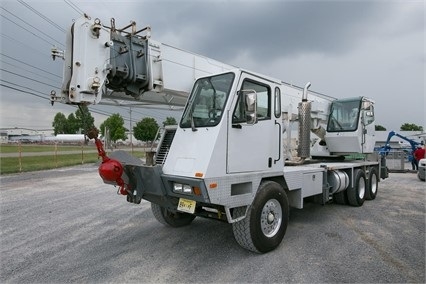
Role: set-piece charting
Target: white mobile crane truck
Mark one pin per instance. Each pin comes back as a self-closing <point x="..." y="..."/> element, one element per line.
<point x="232" y="157"/>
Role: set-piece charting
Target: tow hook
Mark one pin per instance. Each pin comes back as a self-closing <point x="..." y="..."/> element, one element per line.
<point x="110" y="170"/>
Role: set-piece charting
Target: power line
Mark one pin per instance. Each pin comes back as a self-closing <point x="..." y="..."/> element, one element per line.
<point x="45" y="98"/>
<point x="32" y="66"/>
<point x="42" y="16"/>
<point x="72" y="5"/>
<point x="14" y="84"/>
<point x="23" y="44"/>
<point x="32" y="26"/>
<point x="22" y="91"/>
<point x="28" y="78"/>
<point x="27" y="30"/>
<point x="29" y="71"/>
<point x="149" y="114"/>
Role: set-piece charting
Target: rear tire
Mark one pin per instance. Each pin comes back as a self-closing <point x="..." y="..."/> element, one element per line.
<point x="356" y="193"/>
<point x="265" y="224"/>
<point x="373" y="185"/>
<point x="166" y="217"/>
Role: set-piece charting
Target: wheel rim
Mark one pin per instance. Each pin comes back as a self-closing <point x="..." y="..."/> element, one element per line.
<point x="271" y="218"/>
<point x="373" y="182"/>
<point x="361" y="188"/>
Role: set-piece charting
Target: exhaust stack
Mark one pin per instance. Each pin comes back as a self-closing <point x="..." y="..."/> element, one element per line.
<point x="304" y="148"/>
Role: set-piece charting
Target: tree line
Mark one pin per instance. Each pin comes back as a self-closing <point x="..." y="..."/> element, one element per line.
<point x="79" y="122"/>
<point x="404" y="127"/>
<point x="144" y="130"/>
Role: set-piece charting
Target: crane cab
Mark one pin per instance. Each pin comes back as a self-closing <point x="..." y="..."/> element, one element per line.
<point x="351" y="127"/>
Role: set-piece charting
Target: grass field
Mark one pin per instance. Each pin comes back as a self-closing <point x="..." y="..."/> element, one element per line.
<point x="26" y="164"/>
<point x="62" y="157"/>
<point x="15" y="148"/>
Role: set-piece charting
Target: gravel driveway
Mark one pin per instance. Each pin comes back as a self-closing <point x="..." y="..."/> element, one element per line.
<point x="65" y="225"/>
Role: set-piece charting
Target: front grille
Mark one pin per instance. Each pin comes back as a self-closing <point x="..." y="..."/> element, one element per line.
<point x="164" y="147"/>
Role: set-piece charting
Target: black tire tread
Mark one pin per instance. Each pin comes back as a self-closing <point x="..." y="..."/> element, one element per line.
<point x="174" y="220"/>
<point x="352" y="191"/>
<point x="369" y="195"/>
<point x="246" y="231"/>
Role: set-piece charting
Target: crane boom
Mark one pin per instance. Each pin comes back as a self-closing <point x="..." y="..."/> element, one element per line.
<point x="111" y="66"/>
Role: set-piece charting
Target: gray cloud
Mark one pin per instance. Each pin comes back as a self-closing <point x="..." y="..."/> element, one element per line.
<point x="346" y="48"/>
<point x="276" y="28"/>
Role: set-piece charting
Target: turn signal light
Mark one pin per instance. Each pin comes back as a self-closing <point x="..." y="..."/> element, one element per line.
<point x="197" y="190"/>
<point x="213" y="185"/>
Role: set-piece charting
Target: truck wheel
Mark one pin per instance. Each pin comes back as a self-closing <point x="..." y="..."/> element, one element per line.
<point x="166" y="217"/>
<point x="373" y="185"/>
<point x="356" y="193"/>
<point x="266" y="222"/>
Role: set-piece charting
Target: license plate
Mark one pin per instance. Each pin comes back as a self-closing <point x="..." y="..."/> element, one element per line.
<point x="186" y="205"/>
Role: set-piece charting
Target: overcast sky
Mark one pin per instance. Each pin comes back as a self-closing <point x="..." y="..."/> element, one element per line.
<point x="344" y="48"/>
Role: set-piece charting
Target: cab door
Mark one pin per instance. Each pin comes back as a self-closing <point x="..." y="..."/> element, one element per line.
<point x="255" y="147"/>
<point x="368" y="127"/>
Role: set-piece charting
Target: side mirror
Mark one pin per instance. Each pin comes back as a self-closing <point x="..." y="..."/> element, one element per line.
<point x="367" y="117"/>
<point x="250" y="98"/>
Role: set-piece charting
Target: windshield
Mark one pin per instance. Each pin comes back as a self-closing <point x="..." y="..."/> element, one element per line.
<point x="344" y="115"/>
<point x="207" y="101"/>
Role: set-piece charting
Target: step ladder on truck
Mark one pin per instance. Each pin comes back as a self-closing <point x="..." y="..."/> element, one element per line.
<point x="233" y="156"/>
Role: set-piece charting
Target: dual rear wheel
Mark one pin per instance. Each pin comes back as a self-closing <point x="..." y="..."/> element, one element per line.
<point x="361" y="190"/>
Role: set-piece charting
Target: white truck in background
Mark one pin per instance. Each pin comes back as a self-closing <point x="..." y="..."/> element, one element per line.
<point x="232" y="157"/>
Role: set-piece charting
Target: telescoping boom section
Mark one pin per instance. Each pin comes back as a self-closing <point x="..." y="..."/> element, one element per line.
<point x="111" y="65"/>
<point x="247" y="147"/>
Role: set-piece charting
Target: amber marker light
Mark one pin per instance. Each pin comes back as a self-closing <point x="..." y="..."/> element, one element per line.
<point x="213" y="185"/>
<point x="196" y="190"/>
<point x="199" y="175"/>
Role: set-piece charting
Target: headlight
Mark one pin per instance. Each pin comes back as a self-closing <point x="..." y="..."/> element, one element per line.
<point x="187" y="188"/>
<point x="182" y="188"/>
<point x="177" y="187"/>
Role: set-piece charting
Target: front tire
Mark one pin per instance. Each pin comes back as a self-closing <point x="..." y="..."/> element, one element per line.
<point x="166" y="217"/>
<point x="356" y="193"/>
<point x="265" y="224"/>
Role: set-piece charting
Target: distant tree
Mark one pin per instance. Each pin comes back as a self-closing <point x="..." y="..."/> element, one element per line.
<point x="85" y="119"/>
<point x="146" y="129"/>
<point x="115" y="125"/>
<point x="59" y="123"/>
<point x="411" y="127"/>
<point x="80" y="120"/>
<point x="170" y="121"/>
<point x="73" y="126"/>
<point x="380" y="128"/>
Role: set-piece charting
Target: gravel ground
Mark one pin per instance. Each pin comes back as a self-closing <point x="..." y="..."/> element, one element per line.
<point x="65" y="225"/>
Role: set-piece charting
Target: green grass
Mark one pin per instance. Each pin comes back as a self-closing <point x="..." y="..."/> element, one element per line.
<point x="10" y="165"/>
<point x="36" y="163"/>
<point x="15" y="148"/>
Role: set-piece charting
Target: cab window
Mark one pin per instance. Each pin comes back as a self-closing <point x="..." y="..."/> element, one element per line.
<point x="263" y="102"/>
